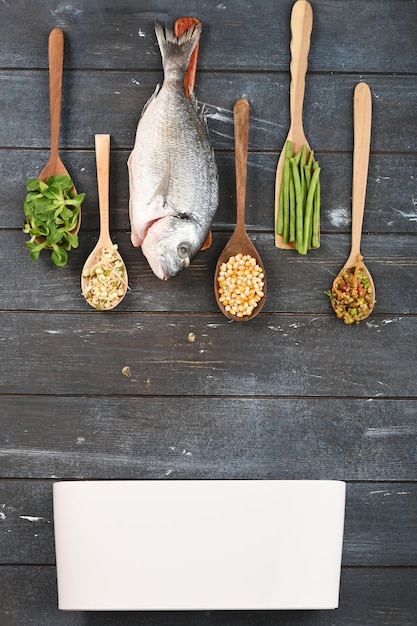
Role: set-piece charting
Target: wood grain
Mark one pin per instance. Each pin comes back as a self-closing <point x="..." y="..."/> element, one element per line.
<point x="195" y="438"/>
<point x="350" y="39"/>
<point x="86" y="353"/>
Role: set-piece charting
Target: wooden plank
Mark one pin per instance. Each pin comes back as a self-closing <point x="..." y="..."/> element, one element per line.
<point x="127" y="436"/>
<point x="91" y="99"/>
<point x="369" y="596"/>
<point x="390" y="197"/>
<point x="378" y="514"/>
<point x="296" y="284"/>
<point x="78" y="353"/>
<point x="165" y="361"/>
<point x="374" y="512"/>
<point x="26" y="522"/>
<point x="347" y="36"/>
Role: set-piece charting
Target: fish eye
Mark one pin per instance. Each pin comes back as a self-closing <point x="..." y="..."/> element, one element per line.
<point x="183" y="249"/>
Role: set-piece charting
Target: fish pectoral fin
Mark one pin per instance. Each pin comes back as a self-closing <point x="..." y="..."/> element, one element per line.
<point x="157" y="208"/>
<point x="207" y="242"/>
<point x="151" y="212"/>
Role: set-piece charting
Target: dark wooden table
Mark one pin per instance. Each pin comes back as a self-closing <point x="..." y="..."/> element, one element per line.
<point x="294" y="394"/>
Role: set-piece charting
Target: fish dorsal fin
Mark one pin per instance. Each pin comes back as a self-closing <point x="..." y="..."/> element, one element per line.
<point x="153" y="96"/>
<point x="201" y="111"/>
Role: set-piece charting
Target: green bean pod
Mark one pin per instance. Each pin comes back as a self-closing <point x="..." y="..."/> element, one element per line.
<point x="292" y="207"/>
<point x="280" y="217"/>
<point x="286" y="202"/>
<point x="308" y="217"/>
<point x="298" y="205"/>
<point x="316" y="217"/>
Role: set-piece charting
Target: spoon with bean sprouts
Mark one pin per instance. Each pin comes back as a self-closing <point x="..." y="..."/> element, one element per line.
<point x="104" y="277"/>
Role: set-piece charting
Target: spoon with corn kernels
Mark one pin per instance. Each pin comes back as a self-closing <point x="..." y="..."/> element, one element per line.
<point x="239" y="278"/>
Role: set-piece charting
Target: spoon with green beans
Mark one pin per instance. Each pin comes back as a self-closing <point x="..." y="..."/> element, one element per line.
<point x="353" y="290"/>
<point x="297" y="185"/>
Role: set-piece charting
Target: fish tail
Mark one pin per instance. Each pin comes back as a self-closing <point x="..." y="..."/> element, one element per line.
<point x="176" y="51"/>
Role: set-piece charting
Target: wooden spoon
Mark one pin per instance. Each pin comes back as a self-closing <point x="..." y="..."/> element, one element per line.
<point x="54" y="165"/>
<point x="362" y="114"/>
<point x="181" y="25"/>
<point x="102" y="144"/>
<point x="239" y="242"/>
<point x="301" y="26"/>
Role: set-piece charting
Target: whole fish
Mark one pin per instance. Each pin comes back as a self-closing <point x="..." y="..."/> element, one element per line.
<point x="172" y="170"/>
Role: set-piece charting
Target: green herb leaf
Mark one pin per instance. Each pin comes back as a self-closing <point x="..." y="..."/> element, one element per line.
<point x="55" y="234"/>
<point x="72" y="239"/>
<point x="62" y="181"/>
<point x="33" y="184"/>
<point x="59" y="256"/>
<point x="35" y="249"/>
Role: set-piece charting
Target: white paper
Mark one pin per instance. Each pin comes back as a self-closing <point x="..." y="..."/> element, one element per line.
<point x="198" y="545"/>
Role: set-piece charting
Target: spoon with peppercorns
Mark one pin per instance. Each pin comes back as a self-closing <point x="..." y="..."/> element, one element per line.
<point x="353" y="291"/>
<point x="239" y="278"/>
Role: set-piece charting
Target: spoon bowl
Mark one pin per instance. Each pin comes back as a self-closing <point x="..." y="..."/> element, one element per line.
<point x="301" y="26"/>
<point x="239" y="242"/>
<point x="54" y="165"/>
<point x="362" y="114"/>
<point x="102" y="145"/>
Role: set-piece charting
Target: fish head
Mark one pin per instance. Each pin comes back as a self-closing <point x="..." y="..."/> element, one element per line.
<point x="170" y="245"/>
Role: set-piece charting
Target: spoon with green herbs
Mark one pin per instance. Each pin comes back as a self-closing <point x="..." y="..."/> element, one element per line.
<point x="54" y="165"/>
<point x="52" y="206"/>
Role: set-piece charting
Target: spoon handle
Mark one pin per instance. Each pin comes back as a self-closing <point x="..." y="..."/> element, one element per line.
<point x="56" y="60"/>
<point x="102" y="144"/>
<point x="362" y="113"/>
<point x="301" y="26"/>
<point x="241" y="125"/>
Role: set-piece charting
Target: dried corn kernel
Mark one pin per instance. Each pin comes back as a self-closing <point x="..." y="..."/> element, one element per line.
<point x="240" y="285"/>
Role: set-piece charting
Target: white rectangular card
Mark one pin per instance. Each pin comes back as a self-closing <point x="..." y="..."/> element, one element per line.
<point x="198" y="544"/>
